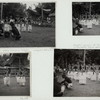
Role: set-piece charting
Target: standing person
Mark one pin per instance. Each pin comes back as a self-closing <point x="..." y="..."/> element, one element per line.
<point x="18" y="26"/>
<point x="1" y="27"/>
<point x="7" y="78"/>
<point x="93" y="77"/>
<point x="23" y="25"/>
<point x="29" y="26"/>
<point x="7" y="29"/>
<point x="18" y="78"/>
<point x="23" y="79"/>
<point x="89" y="24"/>
<point x="82" y="78"/>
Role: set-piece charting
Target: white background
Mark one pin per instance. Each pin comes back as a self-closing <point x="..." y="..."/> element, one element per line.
<point x="42" y="58"/>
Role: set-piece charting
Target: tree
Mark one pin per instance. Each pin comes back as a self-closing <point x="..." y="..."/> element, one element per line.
<point x="14" y="10"/>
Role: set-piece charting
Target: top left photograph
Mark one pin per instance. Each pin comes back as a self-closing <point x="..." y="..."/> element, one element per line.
<point x="27" y="24"/>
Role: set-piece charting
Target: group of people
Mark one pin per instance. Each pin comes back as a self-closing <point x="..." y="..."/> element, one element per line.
<point x="79" y="74"/>
<point x="14" y="27"/>
<point x="80" y="23"/>
<point x="23" y="24"/>
<point x="89" y="22"/>
<point x="82" y="76"/>
<point x="20" y="78"/>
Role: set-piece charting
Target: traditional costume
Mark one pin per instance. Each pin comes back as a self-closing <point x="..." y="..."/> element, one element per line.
<point x="93" y="77"/>
<point x="89" y="24"/>
<point x="82" y="78"/>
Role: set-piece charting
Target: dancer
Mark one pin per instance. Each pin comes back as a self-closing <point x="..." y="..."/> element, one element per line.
<point x="29" y="26"/>
<point x="7" y="78"/>
<point x="82" y="78"/>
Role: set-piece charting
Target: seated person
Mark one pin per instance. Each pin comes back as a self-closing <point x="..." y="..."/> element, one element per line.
<point x="58" y="88"/>
<point x="67" y="81"/>
<point x="15" y="31"/>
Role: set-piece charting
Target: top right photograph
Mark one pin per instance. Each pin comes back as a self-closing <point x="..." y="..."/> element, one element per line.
<point x="86" y="18"/>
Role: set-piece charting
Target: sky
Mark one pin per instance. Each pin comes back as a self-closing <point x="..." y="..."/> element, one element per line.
<point x="30" y="4"/>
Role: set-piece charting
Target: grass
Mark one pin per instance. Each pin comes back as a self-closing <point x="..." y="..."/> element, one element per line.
<point x="94" y="31"/>
<point x="91" y="89"/>
<point x="40" y="37"/>
<point x="14" y="89"/>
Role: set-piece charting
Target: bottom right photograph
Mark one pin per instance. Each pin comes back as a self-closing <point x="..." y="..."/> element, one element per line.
<point x="76" y="73"/>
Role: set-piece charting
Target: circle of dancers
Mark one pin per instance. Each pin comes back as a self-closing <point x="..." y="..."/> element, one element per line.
<point x="67" y="77"/>
<point x="20" y="78"/>
<point x="14" y="27"/>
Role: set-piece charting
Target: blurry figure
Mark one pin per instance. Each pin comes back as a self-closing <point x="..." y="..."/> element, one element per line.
<point x="67" y="81"/>
<point x="18" y="26"/>
<point x="93" y="77"/>
<point x="89" y="24"/>
<point x="23" y="26"/>
<point x="59" y="88"/>
<point x="82" y="78"/>
<point x="23" y="80"/>
<point x="29" y="26"/>
<point x="1" y="27"/>
<point x="18" y="78"/>
<point x="7" y="29"/>
<point x="15" y="31"/>
<point x="7" y="78"/>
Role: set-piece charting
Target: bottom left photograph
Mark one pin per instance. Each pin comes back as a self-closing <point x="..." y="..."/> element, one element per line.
<point x="14" y="74"/>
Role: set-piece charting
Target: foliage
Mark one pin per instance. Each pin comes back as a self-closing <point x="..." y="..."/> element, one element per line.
<point x="66" y="57"/>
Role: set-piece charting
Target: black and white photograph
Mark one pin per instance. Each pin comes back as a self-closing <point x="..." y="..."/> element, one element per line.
<point x="27" y="24"/>
<point x="76" y="73"/>
<point x="86" y="18"/>
<point x="15" y="74"/>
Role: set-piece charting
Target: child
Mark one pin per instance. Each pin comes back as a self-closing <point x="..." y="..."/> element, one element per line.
<point x="7" y="78"/>
<point x="23" y="80"/>
<point x="29" y="26"/>
<point x="23" y="26"/>
<point x="18" y="78"/>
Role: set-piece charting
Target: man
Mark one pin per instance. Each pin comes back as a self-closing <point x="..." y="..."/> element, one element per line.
<point x="59" y="88"/>
<point x="67" y="81"/>
<point x="15" y="31"/>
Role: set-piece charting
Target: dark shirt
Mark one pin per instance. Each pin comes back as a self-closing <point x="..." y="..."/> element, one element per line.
<point x="57" y="89"/>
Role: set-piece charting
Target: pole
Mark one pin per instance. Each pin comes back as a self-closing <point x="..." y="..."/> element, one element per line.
<point x="90" y="9"/>
<point x="84" y="56"/>
<point x="42" y="11"/>
<point x="1" y="10"/>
